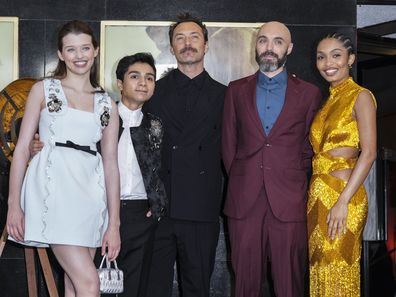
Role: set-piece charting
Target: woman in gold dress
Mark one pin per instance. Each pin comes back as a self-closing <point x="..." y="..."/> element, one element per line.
<point x="343" y="137"/>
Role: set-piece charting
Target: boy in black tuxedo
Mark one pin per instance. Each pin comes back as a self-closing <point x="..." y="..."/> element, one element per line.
<point x="143" y="198"/>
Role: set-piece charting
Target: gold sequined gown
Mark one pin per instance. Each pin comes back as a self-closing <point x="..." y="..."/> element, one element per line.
<point x="334" y="264"/>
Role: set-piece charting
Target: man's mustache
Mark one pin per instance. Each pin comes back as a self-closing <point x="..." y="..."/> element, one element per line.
<point x="188" y="48"/>
<point x="268" y="53"/>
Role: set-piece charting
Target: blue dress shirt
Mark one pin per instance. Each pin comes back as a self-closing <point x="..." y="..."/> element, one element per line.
<point x="270" y="97"/>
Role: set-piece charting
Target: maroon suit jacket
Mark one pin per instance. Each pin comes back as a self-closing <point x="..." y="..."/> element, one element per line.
<point x="280" y="160"/>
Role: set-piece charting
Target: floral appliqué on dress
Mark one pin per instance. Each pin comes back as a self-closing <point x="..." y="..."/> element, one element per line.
<point x="54" y="104"/>
<point x="105" y="117"/>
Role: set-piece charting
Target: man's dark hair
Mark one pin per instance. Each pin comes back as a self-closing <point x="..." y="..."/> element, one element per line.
<point x="127" y="61"/>
<point x="185" y="18"/>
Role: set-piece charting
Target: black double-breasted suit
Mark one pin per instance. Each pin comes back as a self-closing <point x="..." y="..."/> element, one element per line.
<point x="192" y="175"/>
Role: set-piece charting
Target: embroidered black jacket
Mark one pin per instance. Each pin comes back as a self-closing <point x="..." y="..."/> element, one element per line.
<point x="147" y="142"/>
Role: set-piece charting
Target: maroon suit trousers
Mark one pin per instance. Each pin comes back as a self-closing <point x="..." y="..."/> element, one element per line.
<point x="261" y="237"/>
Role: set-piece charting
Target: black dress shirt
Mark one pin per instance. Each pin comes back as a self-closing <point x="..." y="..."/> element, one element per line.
<point x="188" y="92"/>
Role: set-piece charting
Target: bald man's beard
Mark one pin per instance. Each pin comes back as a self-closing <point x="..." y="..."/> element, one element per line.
<point x="270" y="65"/>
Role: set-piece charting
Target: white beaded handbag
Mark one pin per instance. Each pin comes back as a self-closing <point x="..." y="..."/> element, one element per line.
<point x="111" y="279"/>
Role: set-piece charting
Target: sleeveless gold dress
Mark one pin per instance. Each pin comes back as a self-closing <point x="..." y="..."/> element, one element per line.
<point x="334" y="264"/>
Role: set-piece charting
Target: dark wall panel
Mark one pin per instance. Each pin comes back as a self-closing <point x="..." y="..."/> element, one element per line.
<point x="31" y="48"/>
<point x="49" y="9"/>
<point x="335" y="12"/>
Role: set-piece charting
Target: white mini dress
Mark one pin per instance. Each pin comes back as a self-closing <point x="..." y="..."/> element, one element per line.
<point x="63" y="194"/>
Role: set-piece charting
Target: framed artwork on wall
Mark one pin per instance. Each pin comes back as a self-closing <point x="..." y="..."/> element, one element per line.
<point x="9" y="70"/>
<point x="230" y="56"/>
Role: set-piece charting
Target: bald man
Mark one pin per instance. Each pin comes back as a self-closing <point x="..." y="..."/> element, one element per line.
<point x="267" y="156"/>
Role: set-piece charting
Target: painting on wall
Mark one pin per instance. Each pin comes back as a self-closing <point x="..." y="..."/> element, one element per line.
<point x="8" y="50"/>
<point x="230" y="56"/>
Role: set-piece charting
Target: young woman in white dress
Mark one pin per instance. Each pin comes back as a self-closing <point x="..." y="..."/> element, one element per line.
<point x="68" y="198"/>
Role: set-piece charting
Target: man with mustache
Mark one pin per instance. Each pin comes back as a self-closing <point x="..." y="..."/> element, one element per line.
<point x="190" y="104"/>
<point x="267" y="156"/>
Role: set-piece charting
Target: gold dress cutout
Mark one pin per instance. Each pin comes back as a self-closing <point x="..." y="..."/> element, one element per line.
<point x="334" y="265"/>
